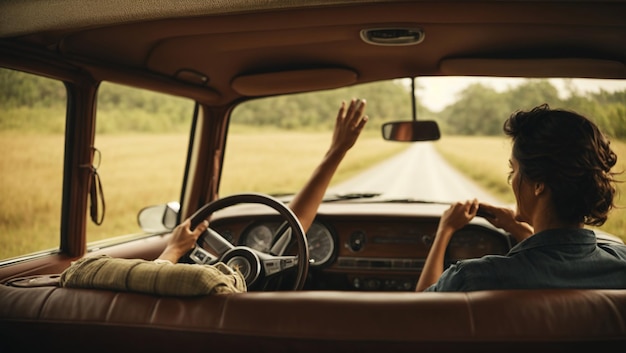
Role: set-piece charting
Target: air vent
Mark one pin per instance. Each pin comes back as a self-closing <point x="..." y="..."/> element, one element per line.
<point x="393" y="36"/>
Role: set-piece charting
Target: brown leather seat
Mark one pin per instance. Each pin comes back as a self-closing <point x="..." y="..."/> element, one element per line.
<point x="84" y="320"/>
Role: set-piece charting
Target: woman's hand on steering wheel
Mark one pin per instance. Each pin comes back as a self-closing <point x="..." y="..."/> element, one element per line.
<point x="182" y="240"/>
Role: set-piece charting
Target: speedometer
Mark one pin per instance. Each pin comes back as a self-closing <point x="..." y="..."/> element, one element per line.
<point x="321" y="244"/>
<point x="260" y="238"/>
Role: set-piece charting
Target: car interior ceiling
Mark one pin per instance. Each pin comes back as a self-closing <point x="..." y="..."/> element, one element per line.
<point x="242" y="51"/>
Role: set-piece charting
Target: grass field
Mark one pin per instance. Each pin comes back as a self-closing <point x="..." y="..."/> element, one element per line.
<point x="142" y="170"/>
<point x="282" y="163"/>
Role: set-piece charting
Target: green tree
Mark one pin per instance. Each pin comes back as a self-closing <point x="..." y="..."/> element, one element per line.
<point x="476" y="100"/>
<point x="129" y="109"/>
<point x="18" y="89"/>
<point x="531" y="94"/>
<point x="386" y="101"/>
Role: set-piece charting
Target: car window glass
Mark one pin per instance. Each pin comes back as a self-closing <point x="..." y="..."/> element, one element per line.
<point x="32" y="128"/>
<point x="142" y="139"/>
<point x="275" y="143"/>
<point x="280" y="140"/>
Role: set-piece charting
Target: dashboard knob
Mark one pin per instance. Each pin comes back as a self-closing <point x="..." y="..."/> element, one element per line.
<point x="357" y="241"/>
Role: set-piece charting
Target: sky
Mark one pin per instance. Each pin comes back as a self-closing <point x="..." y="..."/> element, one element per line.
<point x="437" y="92"/>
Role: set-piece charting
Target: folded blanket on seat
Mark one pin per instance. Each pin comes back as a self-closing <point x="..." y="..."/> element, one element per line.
<point x="137" y="275"/>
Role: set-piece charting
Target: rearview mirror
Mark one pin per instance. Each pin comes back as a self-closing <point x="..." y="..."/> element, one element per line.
<point x="409" y="131"/>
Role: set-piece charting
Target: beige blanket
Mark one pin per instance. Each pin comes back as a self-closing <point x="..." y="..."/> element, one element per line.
<point x="136" y="275"/>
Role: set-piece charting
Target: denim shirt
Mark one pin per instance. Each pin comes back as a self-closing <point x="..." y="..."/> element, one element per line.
<point x="555" y="258"/>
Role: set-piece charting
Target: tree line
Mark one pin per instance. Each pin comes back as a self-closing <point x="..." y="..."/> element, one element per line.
<point x="128" y="109"/>
<point x="607" y="109"/>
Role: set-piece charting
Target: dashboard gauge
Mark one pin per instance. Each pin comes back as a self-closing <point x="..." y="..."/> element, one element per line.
<point x="321" y="244"/>
<point x="259" y="238"/>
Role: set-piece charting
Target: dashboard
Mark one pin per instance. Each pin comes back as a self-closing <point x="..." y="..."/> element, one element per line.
<point x="366" y="247"/>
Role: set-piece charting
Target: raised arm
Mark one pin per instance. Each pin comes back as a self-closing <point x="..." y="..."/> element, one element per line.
<point x="350" y="121"/>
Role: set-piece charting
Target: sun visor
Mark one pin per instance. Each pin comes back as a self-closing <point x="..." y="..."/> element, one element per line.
<point x="293" y="81"/>
<point x="556" y="67"/>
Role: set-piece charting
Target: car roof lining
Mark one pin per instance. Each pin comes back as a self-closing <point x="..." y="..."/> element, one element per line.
<point x="20" y="17"/>
<point x="233" y="44"/>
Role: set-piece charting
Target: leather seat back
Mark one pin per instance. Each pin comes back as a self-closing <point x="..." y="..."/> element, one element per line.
<point x="50" y="317"/>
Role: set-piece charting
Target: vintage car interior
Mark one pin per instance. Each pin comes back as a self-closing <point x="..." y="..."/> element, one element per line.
<point x="347" y="284"/>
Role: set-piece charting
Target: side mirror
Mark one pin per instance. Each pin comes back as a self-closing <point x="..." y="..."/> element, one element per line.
<point x="409" y="131"/>
<point x="159" y="218"/>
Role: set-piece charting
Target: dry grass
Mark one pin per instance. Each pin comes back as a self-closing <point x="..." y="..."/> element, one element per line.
<point x="142" y="170"/>
<point x="30" y="185"/>
<point x="278" y="163"/>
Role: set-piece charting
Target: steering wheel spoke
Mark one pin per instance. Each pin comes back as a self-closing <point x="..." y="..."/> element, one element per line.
<point x="282" y="240"/>
<point x="277" y="264"/>
<point x="216" y="242"/>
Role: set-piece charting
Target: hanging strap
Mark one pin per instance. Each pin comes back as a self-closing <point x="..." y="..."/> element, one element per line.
<point x="96" y="195"/>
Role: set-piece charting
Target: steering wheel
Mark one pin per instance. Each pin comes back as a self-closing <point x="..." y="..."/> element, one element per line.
<point x="255" y="265"/>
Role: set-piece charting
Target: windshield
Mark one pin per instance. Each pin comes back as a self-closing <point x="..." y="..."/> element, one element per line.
<point x="275" y="143"/>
